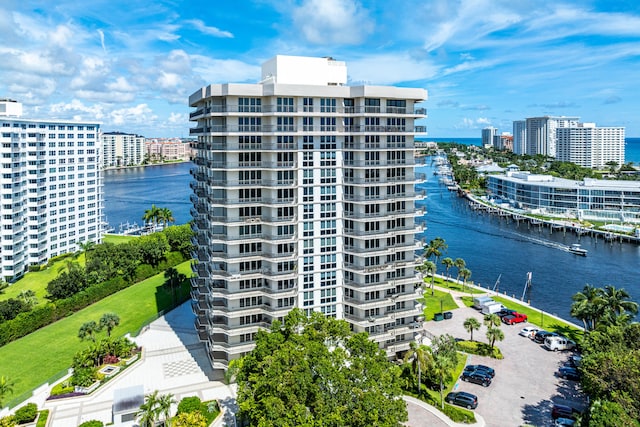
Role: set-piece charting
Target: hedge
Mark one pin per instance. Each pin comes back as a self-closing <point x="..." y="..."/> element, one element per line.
<point x="479" y="348"/>
<point x="42" y="419"/>
<point x="26" y="414"/>
<point x="30" y="321"/>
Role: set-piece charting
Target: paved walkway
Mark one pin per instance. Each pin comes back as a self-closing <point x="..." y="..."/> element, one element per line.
<point x="422" y="414"/>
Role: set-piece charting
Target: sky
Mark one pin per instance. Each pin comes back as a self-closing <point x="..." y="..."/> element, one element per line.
<point x="132" y="65"/>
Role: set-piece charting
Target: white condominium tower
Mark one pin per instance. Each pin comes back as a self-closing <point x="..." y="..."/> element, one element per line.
<point x="541" y="133"/>
<point x="590" y="146"/>
<point x="51" y="188"/>
<point x="487" y="136"/>
<point x="519" y="137"/>
<point x="122" y="149"/>
<point x="303" y="196"/>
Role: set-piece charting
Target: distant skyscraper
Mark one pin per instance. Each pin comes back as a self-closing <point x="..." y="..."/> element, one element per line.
<point x="541" y="133"/>
<point x="590" y="146"/>
<point x="122" y="149"/>
<point x="487" y="135"/>
<point x="519" y="136"/>
<point x="52" y="196"/>
<point x="304" y="197"/>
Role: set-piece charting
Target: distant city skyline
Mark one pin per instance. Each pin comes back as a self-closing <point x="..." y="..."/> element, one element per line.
<point x="132" y="65"/>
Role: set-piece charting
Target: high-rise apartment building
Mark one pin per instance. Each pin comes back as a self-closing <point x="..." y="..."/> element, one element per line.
<point x="488" y="134"/>
<point x="519" y="137"/>
<point x="541" y="133"/>
<point x="303" y="196"/>
<point x="590" y="146"/>
<point x="51" y="192"/>
<point x="122" y="149"/>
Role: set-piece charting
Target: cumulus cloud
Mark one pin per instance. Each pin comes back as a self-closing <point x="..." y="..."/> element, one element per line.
<point x="212" y="31"/>
<point x="330" y="22"/>
<point x="178" y="118"/>
<point x="140" y="113"/>
<point x="470" y="123"/>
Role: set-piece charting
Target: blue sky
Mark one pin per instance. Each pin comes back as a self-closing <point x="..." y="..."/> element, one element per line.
<point x="132" y="64"/>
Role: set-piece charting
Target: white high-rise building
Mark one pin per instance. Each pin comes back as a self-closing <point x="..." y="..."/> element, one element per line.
<point x="488" y="135"/>
<point x="541" y="133"/>
<point x="122" y="149"/>
<point x="303" y="196"/>
<point x="519" y="137"/>
<point x="590" y="146"/>
<point x="52" y="188"/>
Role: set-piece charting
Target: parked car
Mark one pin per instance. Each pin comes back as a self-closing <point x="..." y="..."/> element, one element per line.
<point x="512" y="319"/>
<point x="575" y="360"/>
<point x="565" y="422"/>
<point x="541" y="335"/>
<point x="462" y="398"/>
<point x="505" y="312"/>
<point x="528" y="331"/>
<point x="490" y="371"/>
<point x="569" y="373"/>
<point x="564" y="411"/>
<point x="558" y="343"/>
<point x="476" y="377"/>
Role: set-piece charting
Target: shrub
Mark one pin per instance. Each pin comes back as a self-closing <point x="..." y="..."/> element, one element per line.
<point x="42" y="419"/>
<point x="83" y="377"/>
<point x="62" y="388"/>
<point x="92" y="423"/>
<point x="26" y="414"/>
<point x="479" y="348"/>
<point x="459" y="415"/>
<point x="7" y="421"/>
<point x="189" y="404"/>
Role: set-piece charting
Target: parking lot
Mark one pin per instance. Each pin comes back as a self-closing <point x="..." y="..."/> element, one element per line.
<point x="525" y="386"/>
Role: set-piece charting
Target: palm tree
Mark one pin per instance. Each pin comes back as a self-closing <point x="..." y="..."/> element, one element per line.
<point x="420" y="357"/>
<point x="85" y="246"/>
<point x="430" y="268"/>
<point x="617" y="301"/>
<point x="6" y="388"/>
<point x="109" y="321"/>
<point x="28" y="297"/>
<point x="460" y="265"/>
<point x="494" y="334"/>
<point x="465" y="273"/>
<point x="164" y="407"/>
<point x="448" y="263"/>
<point x="88" y="330"/>
<point x="151" y="215"/>
<point x="491" y="320"/>
<point x="435" y="248"/>
<point x="442" y="366"/>
<point x="165" y="216"/>
<point x="588" y="306"/>
<point x="148" y="413"/>
<point x="471" y="324"/>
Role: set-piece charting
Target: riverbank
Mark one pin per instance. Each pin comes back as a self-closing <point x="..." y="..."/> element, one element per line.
<point x="172" y="162"/>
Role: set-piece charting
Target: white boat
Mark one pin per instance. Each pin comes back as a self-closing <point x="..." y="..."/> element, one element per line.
<point x="577" y="249"/>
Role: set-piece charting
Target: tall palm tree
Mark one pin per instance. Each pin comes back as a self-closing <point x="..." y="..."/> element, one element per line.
<point x="151" y="215"/>
<point x="148" y="413"/>
<point x="164" y="407"/>
<point x="442" y="367"/>
<point x="448" y="263"/>
<point x="491" y="320"/>
<point x="420" y="357"/>
<point x="88" y="330"/>
<point x="6" y="388"/>
<point x="618" y="301"/>
<point x="494" y="334"/>
<point x="588" y="306"/>
<point x="459" y="264"/>
<point x="435" y="248"/>
<point x="465" y="273"/>
<point x="471" y="324"/>
<point x="109" y="321"/>
<point x="166" y="216"/>
<point x="430" y="268"/>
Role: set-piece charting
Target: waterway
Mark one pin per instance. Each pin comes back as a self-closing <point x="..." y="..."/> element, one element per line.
<point x="491" y="246"/>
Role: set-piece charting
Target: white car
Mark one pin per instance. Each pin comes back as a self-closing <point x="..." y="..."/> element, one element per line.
<point x="528" y="332"/>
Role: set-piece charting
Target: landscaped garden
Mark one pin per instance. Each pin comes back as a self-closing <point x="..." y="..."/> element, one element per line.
<point x="439" y="302"/>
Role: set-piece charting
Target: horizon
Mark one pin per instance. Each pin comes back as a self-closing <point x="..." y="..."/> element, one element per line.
<point x="132" y="65"/>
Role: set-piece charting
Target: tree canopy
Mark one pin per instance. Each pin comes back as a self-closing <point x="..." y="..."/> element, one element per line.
<point x="311" y="371"/>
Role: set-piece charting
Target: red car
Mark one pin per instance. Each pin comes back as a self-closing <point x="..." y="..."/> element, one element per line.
<point x="514" y="318"/>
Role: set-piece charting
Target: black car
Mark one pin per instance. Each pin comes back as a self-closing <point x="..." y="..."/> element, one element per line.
<point x="569" y="373"/>
<point x="564" y="411"/>
<point x="489" y="371"/>
<point x="505" y="312"/>
<point x="477" y="377"/>
<point x="461" y="398"/>
<point x="540" y="336"/>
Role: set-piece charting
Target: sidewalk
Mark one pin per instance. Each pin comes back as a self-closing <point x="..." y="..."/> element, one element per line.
<point x="429" y="416"/>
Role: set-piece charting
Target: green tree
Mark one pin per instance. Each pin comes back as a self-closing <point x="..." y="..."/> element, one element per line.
<point x="6" y="388"/>
<point x="151" y="215"/>
<point x="604" y="413"/>
<point x="460" y="264"/>
<point x="149" y="411"/>
<point x="445" y="358"/>
<point x="588" y="306"/>
<point x="420" y="358"/>
<point x="179" y="238"/>
<point x="314" y="371"/>
<point x="430" y="268"/>
<point x="448" y="263"/>
<point x="435" y="248"/>
<point x="153" y="248"/>
<point x="494" y="334"/>
<point x="3" y="286"/>
<point x="465" y="273"/>
<point x="109" y="321"/>
<point x="165" y="217"/>
<point x="165" y="402"/>
<point x="491" y="320"/>
<point x="28" y="297"/>
<point x="618" y="301"/>
<point x="189" y="419"/>
<point x="471" y="324"/>
<point x="88" y="330"/>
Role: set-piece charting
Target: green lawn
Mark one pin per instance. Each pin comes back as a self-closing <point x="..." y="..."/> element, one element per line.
<point x="432" y="303"/>
<point x="34" y="359"/>
<point x="38" y="280"/>
<point x="538" y="318"/>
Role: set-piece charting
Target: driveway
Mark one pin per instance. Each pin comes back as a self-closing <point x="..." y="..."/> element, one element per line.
<point x="525" y="387"/>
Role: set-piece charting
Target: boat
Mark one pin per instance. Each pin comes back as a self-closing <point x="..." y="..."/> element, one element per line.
<point x="577" y="249"/>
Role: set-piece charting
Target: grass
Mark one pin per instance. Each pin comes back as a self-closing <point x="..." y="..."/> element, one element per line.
<point x="37" y="281"/>
<point x="537" y="317"/>
<point x="36" y="358"/>
<point x="432" y="303"/>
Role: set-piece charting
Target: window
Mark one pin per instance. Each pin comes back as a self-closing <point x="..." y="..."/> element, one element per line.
<point x="285" y="105"/>
<point x="249" y="105"/>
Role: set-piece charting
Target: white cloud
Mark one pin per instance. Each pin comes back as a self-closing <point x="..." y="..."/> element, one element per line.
<point x="140" y="113"/>
<point x="213" y="70"/>
<point x="178" y="118"/>
<point x="469" y="123"/>
<point x="212" y="31"/>
<point x="168" y="80"/>
<point x="329" y="22"/>
<point x="390" y="68"/>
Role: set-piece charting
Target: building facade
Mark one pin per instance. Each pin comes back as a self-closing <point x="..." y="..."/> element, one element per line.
<point x="589" y="199"/>
<point x="520" y="137"/>
<point x="122" y="149"/>
<point x="52" y="188"/>
<point x="303" y="196"/>
<point x="590" y="146"/>
<point x="168" y="149"/>
<point x="488" y="135"/>
<point x="541" y="133"/>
